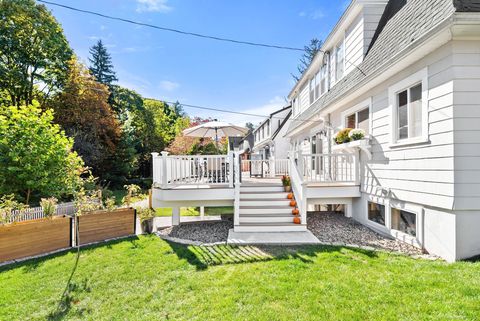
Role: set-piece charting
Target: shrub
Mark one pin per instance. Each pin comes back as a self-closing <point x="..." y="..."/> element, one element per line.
<point x="8" y="204"/>
<point x="145" y="214"/>
<point x="49" y="206"/>
<point x="356" y="134"/>
<point x="286" y="180"/>
<point x="342" y="136"/>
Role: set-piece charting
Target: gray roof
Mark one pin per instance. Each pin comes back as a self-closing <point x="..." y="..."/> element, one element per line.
<point x="414" y="20"/>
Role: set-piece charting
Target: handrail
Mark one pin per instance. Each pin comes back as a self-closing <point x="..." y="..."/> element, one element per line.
<point x="329" y="168"/>
<point x="237" y="183"/>
<point x="299" y="190"/>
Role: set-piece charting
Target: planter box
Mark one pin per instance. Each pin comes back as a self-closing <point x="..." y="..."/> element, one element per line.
<point x="34" y="237"/>
<point x="102" y="225"/>
<point x="350" y="147"/>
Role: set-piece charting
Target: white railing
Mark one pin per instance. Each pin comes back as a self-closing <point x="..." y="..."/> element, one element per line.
<point x="34" y="213"/>
<point x="265" y="168"/>
<point x="328" y="168"/>
<point x="299" y="190"/>
<point x="237" y="182"/>
<point x="175" y="170"/>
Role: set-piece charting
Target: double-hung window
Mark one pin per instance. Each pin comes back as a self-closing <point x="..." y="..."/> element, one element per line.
<point x="323" y="79"/>
<point x="409" y="109"/>
<point x="359" y="119"/>
<point x="312" y="90"/>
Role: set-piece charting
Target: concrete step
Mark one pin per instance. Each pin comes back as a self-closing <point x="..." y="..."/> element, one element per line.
<point x="274" y="238"/>
<point x="264" y="188"/>
<point x="266" y="210"/>
<point x="263" y="195"/>
<point x="262" y="218"/>
<point x="269" y="227"/>
<point x="265" y="203"/>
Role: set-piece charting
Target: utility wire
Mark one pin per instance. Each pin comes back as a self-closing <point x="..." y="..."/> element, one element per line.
<point x="194" y="34"/>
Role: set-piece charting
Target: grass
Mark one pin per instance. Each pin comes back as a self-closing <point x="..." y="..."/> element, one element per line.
<point x="147" y="278"/>
<point x="193" y="211"/>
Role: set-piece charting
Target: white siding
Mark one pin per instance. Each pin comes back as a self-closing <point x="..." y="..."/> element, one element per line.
<point x="422" y="174"/>
<point x="304" y="98"/>
<point x="466" y="123"/>
<point x="354" y="44"/>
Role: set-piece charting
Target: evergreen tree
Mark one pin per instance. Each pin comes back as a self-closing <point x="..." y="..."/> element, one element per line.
<point x="101" y="64"/>
<point x="307" y="57"/>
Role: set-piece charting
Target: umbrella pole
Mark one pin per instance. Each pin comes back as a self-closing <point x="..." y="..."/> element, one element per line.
<point x="216" y="140"/>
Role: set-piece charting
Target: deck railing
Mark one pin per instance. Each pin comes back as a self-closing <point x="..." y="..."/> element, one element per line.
<point x="265" y="167"/>
<point x="175" y="170"/>
<point x="328" y="168"/>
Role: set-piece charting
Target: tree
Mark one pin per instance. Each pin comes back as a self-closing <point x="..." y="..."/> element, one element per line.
<point x="250" y="127"/>
<point x="33" y="51"/>
<point x="36" y="157"/>
<point x="307" y="57"/>
<point x="83" y="111"/>
<point x="101" y="64"/>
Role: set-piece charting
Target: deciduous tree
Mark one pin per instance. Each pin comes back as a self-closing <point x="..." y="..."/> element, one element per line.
<point x="33" y="51"/>
<point x="36" y="156"/>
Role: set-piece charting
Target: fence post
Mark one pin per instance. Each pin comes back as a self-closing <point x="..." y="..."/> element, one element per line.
<point x="164" y="175"/>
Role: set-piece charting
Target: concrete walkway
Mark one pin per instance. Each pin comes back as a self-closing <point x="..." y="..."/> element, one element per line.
<point x="273" y="238"/>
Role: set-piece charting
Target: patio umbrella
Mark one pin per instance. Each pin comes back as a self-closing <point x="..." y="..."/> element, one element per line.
<point x="215" y="129"/>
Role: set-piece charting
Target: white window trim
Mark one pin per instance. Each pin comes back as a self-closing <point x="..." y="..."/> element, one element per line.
<point x="418" y="77"/>
<point x="384" y="203"/>
<point x="367" y="103"/>
<point x="412" y="208"/>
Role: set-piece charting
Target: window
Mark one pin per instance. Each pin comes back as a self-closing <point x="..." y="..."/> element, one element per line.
<point x="312" y="90"/>
<point x="268" y="128"/>
<point x="404" y="221"/>
<point x="409" y="109"/>
<point x="317" y="85"/>
<point x="339" y="61"/>
<point x="359" y="119"/>
<point x="323" y="79"/>
<point x="408" y="99"/>
<point x="376" y="213"/>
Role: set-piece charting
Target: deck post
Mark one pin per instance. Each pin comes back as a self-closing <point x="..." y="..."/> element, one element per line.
<point x="272" y="166"/>
<point x="175" y="216"/>
<point x="164" y="169"/>
<point x="231" y="161"/>
<point x="202" y="212"/>
<point x="155" y="169"/>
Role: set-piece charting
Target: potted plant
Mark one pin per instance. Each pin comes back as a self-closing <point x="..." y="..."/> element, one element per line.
<point x="146" y="216"/>
<point x="343" y="136"/>
<point x="356" y="134"/>
<point x="287" y="185"/>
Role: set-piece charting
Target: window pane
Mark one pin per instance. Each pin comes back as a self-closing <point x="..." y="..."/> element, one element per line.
<point x="351" y="121"/>
<point x="363" y="120"/>
<point x="416" y="111"/>
<point x="376" y="213"/>
<point x="312" y="90"/>
<point x="402" y="103"/>
<point x="323" y="77"/>
<point x="339" y="62"/>
<point x="404" y="222"/>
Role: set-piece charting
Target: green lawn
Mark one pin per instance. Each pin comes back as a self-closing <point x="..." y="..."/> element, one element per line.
<point x="192" y="211"/>
<point x="150" y="279"/>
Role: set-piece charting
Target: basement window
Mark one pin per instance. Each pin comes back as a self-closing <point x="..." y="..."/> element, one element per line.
<point x="405" y="222"/>
<point x="376" y="213"/>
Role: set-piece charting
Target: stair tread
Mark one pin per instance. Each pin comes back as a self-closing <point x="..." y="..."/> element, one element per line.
<point x="262" y="192"/>
<point x="267" y="215"/>
<point x="270" y="207"/>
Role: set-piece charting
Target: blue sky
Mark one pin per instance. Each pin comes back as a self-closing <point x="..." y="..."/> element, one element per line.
<point x="197" y="71"/>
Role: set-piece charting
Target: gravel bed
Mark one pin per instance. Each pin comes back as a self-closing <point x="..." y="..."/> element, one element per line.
<point x="336" y="228"/>
<point x="202" y="232"/>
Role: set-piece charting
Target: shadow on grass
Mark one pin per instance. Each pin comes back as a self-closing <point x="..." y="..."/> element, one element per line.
<point x="70" y="298"/>
<point x="204" y="256"/>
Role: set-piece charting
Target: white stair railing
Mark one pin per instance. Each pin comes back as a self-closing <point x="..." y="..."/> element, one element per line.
<point x="329" y="168"/>
<point x="298" y="187"/>
<point x="237" y="182"/>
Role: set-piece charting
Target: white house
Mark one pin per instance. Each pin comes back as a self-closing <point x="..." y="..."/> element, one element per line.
<point x="269" y="140"/>
<point x="408" y="73"/>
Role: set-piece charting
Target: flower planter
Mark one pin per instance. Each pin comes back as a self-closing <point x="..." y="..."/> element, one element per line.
<point x="288" y="189"/>
<point x="35" y="237"/>
<point x="147" y="226"/>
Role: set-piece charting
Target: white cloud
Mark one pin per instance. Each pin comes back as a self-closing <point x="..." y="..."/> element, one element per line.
<point x="315" y="15"/>
<point x="168" y="85"/>
<point x="153" y="6"/>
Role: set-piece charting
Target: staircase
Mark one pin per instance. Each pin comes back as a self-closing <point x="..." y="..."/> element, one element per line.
<point x="264" y="207"/>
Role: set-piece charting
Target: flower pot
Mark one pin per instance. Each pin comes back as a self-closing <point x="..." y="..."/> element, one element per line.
<point x="288" y="189"/>
<point x="147" y="226"/>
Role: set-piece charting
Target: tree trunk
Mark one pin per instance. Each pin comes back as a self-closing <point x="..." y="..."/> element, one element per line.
<point x="27" y="200"/>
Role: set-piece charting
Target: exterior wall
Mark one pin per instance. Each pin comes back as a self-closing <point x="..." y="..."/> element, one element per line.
<point x="466" y="123"/>
<point x="354" y="44"/>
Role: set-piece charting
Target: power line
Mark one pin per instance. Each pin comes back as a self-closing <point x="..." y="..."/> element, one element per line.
<point x="194" y="34"/>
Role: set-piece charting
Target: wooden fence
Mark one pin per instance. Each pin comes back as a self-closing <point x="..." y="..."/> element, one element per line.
<point x="102" y="225"/>
<point x="40" y="236"/>
<point x="35" y="237"/>
<point x="33" y="213"/>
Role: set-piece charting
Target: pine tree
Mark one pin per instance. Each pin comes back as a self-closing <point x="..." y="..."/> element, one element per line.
<point x="307" y="57"/>
<point x="101" y="64"/>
